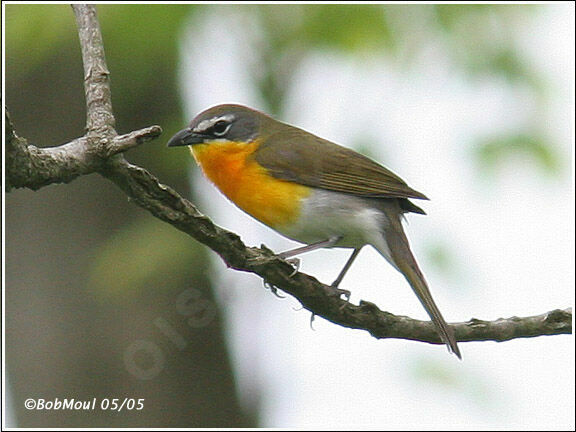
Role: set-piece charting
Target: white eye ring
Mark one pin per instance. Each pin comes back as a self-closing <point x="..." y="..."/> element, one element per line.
<point x="216" y="128"/>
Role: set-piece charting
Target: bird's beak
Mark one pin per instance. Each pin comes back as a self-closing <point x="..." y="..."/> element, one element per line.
<point x="185" y="137"/>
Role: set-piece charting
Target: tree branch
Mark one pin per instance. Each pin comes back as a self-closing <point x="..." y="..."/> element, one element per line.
<point x="28" y="166"/>
<point x="100" y="116"/>
<point x="100" y="150"/>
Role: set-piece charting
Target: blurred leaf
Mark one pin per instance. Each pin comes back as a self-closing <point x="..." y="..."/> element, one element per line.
<point x="143" y="40"/>
<point x="435" y="372"/>
<point x="502" y="61"/>
<point x="352" y="28"/>
<point x="291" y="32"/>
<point x="36" y="29"/>
<point x="493" y="152"/>
<point x="144" y="254"/>
<point x="449" y="15"/>
<point x="441" y="257"/>
<point x="481" y="40"/>
<point x="441" y="251"/>
<point x="467" y="384"/>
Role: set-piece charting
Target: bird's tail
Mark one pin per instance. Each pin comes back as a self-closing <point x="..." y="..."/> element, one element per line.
<point x="397" y="252"/>
<point x="416" y="279"/>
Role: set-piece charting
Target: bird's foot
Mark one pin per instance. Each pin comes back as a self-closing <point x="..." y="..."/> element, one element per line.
<point x="341" y="292"/>
<point x="273" y="289"/>
<point x="294" y="262"/>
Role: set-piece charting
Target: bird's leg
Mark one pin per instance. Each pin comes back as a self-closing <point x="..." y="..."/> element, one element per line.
<point x="346" y="268"/>
<point x="343" y="272"/>
<point x="288" y="256"/>
<point x="295" y="262"/>
<point x="310" y="247"/>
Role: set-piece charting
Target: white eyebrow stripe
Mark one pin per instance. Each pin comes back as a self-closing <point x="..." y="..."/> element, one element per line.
<point x="204" y="125"/>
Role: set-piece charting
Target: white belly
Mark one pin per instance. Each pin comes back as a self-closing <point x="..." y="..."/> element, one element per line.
<point x="326" y="214"/>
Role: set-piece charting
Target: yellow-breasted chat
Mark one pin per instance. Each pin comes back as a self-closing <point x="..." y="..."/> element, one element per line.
<point x="310" y="190"/>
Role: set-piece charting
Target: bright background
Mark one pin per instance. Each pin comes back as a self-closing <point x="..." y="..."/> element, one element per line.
<point x="472" y="105"/>
<point x="498" y="239"/>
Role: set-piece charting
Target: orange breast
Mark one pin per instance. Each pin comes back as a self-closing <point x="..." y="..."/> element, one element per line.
<point x="231" y="168"/>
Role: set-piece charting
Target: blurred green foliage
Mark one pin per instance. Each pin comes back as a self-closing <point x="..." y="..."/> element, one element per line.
<point x="481" y="39"/>
<point x="350" y="28"/>
<point x="478" y="38"/>
<point x="440" y="256"/>
<point x="33" y="31"/>
<point x="493" y="152"/>
<point x="469" y="386"/>
<point x="142" y="52"/>
<point x="143" y="253"/>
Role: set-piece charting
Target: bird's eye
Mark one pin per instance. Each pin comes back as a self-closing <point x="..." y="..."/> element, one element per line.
<point x="220" y="127"/>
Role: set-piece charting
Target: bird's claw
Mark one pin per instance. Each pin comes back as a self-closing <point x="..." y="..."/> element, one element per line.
<point x="312" y="317"/>
<point x="341" y="292"/>
<point x="294" y="262"/>
<point x="273" y="290"/>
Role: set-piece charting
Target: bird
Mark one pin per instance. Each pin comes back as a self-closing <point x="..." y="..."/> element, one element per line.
<point x="310" y="190"/>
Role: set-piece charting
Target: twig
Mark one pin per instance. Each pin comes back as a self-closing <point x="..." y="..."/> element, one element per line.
<point x="100" y="116"/>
